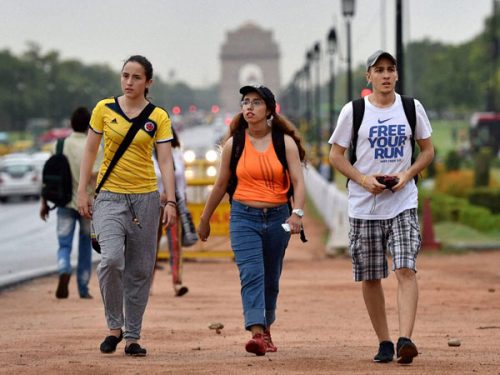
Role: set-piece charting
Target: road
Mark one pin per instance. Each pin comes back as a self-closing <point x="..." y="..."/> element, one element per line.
<point x="28" y="246"/>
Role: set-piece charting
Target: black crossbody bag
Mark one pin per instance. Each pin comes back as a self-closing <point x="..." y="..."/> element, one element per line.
<point x="137" y="124"/>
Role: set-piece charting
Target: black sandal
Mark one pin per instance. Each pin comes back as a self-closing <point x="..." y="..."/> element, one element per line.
<point x="110" y="343"/>
<point x="135" y="350"/>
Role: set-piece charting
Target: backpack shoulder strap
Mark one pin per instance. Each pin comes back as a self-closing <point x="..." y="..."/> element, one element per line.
<point x="411" y="115"/>
<point x="358" y="112"/>
<point x="278" y="138"/>
<point x="60" y="146"/>
<point x="137" y="123"/>
<point x="410" y="111"/>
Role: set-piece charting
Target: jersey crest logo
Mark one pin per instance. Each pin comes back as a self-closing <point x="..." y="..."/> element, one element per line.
<point x="149" y="126"/>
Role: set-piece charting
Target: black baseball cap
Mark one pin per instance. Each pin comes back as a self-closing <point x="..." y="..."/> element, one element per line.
<point x="372" y="60"/>
<point x="264" y="93"/>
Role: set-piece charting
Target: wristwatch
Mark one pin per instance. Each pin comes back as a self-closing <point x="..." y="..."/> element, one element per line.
<point x="299" y="212"/>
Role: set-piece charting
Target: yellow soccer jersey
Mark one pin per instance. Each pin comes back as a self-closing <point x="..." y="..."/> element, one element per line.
<point x="134" y="173"/>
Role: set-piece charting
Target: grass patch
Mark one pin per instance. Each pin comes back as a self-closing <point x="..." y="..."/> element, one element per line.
<point x="451" y="233"/>
<point x="442" y="134"/>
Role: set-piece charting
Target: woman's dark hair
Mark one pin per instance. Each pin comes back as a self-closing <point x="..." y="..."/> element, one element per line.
<point x="146" y="64"/>
<point x="278" y="121"/>
<point x="80" y="120"/>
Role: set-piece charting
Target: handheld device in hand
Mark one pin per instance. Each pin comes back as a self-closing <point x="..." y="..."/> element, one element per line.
<point x="388" y="181"/>
<point x="286" y="227"/>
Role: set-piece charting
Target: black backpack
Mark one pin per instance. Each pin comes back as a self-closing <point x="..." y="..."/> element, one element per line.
<point x="278" y="139"/>
<point x="57" y="184"/>
<point x="358" y="111"/>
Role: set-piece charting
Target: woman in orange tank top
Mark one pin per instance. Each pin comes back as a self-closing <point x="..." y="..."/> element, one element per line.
<point x="259" y="210"/>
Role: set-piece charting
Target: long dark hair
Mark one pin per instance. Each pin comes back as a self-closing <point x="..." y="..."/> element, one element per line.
<point x="278" y="121"/>
<point x="147" y="66"/>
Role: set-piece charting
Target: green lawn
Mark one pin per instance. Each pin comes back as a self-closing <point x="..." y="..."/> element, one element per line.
<point x="457" y="235"/>
<point x="442" y="134"/>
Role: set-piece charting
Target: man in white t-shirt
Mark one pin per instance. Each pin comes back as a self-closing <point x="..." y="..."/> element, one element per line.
<point x="382" y="219"/>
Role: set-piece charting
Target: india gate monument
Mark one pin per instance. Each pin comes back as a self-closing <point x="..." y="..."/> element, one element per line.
<point x="249" y="56"/>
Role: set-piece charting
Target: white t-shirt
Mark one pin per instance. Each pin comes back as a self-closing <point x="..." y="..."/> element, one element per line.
<point x="179" y="170"/>
<point x="73" y="149"/>
<point x="384" y="148"/>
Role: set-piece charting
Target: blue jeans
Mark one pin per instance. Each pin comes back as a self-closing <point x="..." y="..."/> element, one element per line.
<point x="66" y="222"/>
<point x="259" y="243"/>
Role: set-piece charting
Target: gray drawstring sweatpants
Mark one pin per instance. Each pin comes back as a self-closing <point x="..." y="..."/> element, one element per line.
<point x="128" y="253"/>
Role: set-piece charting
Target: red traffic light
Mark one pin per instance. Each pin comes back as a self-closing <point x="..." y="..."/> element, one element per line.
<point x="176" y="110"/>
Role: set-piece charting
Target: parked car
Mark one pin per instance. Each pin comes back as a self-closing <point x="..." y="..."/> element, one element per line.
<point x="19" y="177"/>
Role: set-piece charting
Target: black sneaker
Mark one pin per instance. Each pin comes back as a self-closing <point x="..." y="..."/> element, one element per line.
<point x="135" y="350"/>
<point x="62" y="287"/>
<point x="181" y="291"/>
<point x="385" y="352"/>
<point x="110" y="343"/>
<point x="407" y="350"/>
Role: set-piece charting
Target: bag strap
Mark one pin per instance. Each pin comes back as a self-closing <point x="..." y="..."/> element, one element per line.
<point x="60" y="146"/>
<point x="358" y="112"/>
<point x="411" y="116"/>
<point x="137" y="123"/>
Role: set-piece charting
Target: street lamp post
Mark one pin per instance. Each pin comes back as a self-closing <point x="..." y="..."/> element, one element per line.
<point x="317" y="59"/>
<point x="307" y="74"/>
<point x="348" y="11"/>
<point x="332" y="47"/>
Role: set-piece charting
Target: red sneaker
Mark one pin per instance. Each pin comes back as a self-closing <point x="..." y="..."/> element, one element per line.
<point x="257" y="345"/>
<point x="271" y="348"/>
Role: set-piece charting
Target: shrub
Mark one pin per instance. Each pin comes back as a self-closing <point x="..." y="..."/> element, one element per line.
<point x="482" y="167"/>
<point x="448" y="208"/>
<point x="453" y="161"/>
<point x="456" y="183"/>
<point x="486" y="197"/>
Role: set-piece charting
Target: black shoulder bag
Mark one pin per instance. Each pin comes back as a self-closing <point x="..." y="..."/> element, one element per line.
<point x="137" y="124"/>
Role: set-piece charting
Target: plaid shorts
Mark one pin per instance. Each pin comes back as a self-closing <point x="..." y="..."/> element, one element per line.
<point x="369" y="240"/>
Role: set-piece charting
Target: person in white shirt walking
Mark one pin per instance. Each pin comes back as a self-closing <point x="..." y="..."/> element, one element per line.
<point x="68" y="216"/>
<point x="383" y="198"/>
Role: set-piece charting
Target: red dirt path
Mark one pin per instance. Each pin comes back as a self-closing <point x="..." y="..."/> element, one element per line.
<point x="322" y="325"/>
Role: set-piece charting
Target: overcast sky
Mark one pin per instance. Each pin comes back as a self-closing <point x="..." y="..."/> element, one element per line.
<point x="185" y="36"/>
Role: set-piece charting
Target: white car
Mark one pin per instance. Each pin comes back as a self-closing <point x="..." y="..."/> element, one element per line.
<point x="19" y="177"/>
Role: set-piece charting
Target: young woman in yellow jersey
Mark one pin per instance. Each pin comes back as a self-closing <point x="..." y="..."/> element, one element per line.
<point x="126" y="211"/>
<point x="259" y="206"/>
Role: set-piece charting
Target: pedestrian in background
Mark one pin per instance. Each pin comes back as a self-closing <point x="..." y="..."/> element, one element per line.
<point x="126" y="211"/>
<point x="258" y="184"/>
<point x="383" y="198"/>
<point x="68" y="216"/>
<point x="174" y="233"/>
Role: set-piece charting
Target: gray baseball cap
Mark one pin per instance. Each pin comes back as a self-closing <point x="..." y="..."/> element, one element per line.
<point x="372" y="60"/>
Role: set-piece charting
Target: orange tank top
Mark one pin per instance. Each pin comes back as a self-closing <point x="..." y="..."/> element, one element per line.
<point x="260" y="176"/>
